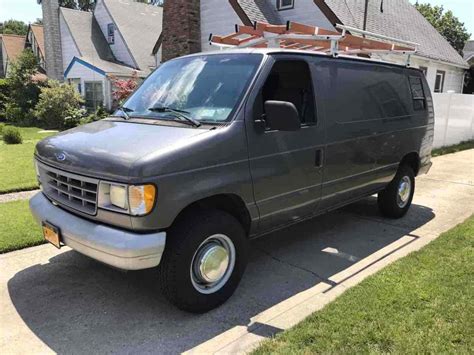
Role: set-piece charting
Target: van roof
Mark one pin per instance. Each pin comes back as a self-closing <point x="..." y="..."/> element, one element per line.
<point x="269" y="51"/>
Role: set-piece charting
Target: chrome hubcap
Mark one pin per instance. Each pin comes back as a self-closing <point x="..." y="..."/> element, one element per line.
<point x="213" y="263"/>
<point x="404" y="190"/>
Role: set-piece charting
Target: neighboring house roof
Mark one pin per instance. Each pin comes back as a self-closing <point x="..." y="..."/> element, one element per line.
<point x="259" y="10"/>
<point x="401" y="20"/>
<point x="468" y="51"/>
<point x="140" y="26"/>
<point x="39" y="36"/>
<point x="91" y="43"/>
<point x="14" y="45"/>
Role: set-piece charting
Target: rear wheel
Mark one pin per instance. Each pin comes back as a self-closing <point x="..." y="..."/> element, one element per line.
<point x="203" y="262"/>
<point x="395" y="200"/>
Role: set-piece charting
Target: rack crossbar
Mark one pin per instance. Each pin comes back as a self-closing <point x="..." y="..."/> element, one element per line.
<point x="299" y="36"/>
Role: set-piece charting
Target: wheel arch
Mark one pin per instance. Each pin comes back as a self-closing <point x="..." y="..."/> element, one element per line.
<point x="412" y="160"/>
<point x="230" y="203"/>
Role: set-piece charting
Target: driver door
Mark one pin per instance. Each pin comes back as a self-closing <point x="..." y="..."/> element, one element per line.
<point x="286" y="167"/>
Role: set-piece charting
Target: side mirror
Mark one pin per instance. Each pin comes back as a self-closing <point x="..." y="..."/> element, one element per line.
<point x="282" y="116"/>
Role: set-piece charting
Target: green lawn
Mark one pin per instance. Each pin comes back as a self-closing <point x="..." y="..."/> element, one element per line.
<point x="16" y="162"/>
<point x="453" y="148"/>
<point x="423" y="303"/>
<point x="17" y="228"/>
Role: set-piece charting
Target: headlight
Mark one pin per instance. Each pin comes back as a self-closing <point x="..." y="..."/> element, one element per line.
<point x="136" y="200"/>
<point x="118" y="196"/>
<point x="141" y="199"/>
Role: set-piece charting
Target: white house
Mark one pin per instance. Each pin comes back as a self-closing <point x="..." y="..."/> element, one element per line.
<point x="90" y="49"/>
<point x="443" y="66"/>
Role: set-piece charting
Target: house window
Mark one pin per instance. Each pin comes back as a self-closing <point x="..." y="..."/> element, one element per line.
<point x="94" y="95"/>
<point x="111" y="33"/>
<point x="285" y="4"/>
<point x="424" y="70"/>
<point x="417" y="93"/>
<point x="439" y="83"/>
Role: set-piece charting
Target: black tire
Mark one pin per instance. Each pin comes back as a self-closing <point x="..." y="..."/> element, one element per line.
<point x="182" y="242"/>
<point x="390" y="204"/>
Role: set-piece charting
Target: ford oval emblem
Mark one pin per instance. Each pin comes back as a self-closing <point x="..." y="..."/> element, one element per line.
<point x="60" y="156"/>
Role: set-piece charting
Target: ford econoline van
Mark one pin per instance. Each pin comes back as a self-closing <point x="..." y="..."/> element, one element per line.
<point x="215" y="149"/>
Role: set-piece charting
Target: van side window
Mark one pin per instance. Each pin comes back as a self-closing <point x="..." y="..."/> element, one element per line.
<point x="290" y="80"/>
<point x="417" y="93"/>
<point x="358" y="92"/>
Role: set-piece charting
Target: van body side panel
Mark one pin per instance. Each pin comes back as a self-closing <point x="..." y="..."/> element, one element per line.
<point x="370" y="126"/>
<point x="212" y="165"/>
<point x="287" y="182"/>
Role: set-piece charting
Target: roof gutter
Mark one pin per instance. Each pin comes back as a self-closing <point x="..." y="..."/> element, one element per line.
<point x="439" y="61"/>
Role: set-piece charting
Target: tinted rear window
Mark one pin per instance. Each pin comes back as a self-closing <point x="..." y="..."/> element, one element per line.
<point x="361" y="92"/>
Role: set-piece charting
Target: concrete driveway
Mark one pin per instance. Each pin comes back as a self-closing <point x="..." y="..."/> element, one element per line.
<point x="60" y="301"/>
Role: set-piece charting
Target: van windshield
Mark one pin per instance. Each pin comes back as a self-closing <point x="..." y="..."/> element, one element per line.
<point x="206" y="88"/>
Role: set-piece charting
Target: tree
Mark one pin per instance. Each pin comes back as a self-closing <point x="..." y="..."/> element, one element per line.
<point x="84" y="5"/>
<point x="14" y="27"/>
<point x="446" y="23"/>
<point x="23" y="91"/>
<point x="123" y="88"/>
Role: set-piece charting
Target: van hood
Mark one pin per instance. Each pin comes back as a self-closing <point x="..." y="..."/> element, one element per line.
<point x="108" y="149"/>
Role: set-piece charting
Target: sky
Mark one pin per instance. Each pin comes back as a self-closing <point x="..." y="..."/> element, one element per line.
<point x="29" y="10"/>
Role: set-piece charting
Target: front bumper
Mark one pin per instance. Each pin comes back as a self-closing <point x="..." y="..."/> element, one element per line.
<point x="116" y="247"/>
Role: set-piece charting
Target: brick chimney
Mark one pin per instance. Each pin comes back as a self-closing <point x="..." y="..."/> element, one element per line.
<point x="52" y="39"/>
<point x="181" y="28"/>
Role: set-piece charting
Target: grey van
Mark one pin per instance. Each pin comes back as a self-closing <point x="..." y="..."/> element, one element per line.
<point x="215" y="149"/>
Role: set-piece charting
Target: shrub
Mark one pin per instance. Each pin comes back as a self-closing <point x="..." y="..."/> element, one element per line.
<point x="2" y="127"/>
<point x="4" y="95"/>
<point x="16" y="116"/>
<point x="123" y="88"/>
<point x="12" y="135"/>
<point x="74" y="117"/>
<point x="99" y="114"/>
<point x="56" y="103"/>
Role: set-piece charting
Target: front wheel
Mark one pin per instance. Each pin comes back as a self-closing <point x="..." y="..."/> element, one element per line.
<point x="203" y="262"/>
<point x="395" y="200"/>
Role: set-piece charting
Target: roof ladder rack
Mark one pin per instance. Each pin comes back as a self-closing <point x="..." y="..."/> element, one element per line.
<point x="297" y="36"/>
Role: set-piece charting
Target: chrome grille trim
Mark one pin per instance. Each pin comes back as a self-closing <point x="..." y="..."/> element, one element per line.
<point x="68" y="189"/>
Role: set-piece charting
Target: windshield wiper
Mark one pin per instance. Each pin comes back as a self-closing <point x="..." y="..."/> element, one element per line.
<point x="179" y="113"/>
<point x="125" y="111"/>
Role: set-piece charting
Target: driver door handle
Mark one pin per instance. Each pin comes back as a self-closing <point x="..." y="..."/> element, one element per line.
<point x="318" y="160"/>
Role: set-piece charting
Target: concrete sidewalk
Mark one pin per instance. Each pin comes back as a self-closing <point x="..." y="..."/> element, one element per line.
<point x="59" y="301"/>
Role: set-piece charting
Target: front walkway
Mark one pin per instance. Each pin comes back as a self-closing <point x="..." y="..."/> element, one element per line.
<point x="60" y="301"/>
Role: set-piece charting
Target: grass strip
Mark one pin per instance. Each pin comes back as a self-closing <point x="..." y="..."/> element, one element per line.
<point x="423" y="303"/>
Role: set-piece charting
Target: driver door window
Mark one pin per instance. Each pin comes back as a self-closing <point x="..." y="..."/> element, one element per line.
<point x="290" y="80"/>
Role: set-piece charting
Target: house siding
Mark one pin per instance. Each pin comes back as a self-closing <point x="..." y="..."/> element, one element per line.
<point x="69" y="48"/>
<point x="305" y="11"/>
<point x="85" y="74"/>
<point x="4" y="60"/>
<point x="218" y="17"/>
<point x="454" y="77"/>
<point x="119" y="49"/>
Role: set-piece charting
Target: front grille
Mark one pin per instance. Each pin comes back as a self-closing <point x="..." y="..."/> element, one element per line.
<point x="71" y="190"/>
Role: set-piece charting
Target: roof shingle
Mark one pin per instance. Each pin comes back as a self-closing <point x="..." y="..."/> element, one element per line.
<point x="91" y="43"/>
<point x="39" y="36"/>
<point x="401" y="20"/>
<point x="14" y="45"/>
<point x="140" y="26"/>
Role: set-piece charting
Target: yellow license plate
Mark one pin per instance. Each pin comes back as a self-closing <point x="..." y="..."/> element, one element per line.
<point x="51" y="234"/>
